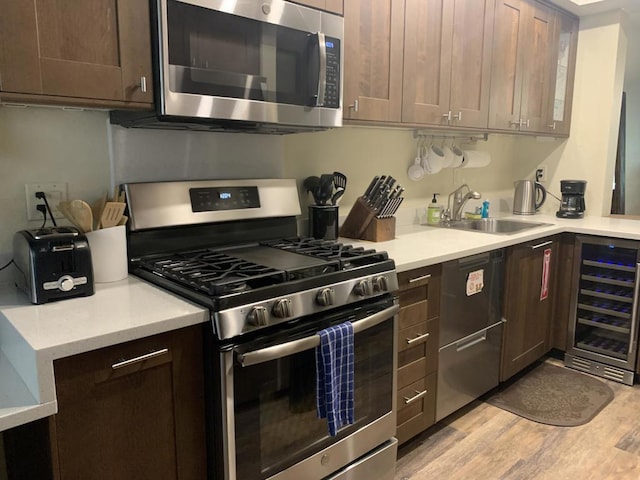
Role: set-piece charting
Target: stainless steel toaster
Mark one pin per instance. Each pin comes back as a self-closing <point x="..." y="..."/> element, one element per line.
<point x="54" y="264"/>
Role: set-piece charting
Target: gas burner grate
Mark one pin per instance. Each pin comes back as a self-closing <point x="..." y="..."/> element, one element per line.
<point x="349" y="256"/>
<point x="213" y="272"/>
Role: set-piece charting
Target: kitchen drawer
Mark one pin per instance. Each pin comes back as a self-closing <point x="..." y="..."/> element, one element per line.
<point x="426" y="348"/>
<point x="412" y="311"/>
<point x="412" y="372"/>
<point x="418" y="277"/>
<point x="413" y="336"/>
<point x="418" y="414"/>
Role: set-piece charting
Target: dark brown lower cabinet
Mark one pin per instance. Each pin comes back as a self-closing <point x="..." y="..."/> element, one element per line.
<point x="129" y="411"/>
<point x="530" y="277"/>
<point x="418" y="328"/>
<point x="562" y="297"/>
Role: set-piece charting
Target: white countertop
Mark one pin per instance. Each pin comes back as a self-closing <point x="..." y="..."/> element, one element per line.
<point x="32" y="336"/>
<point x="421" y="245"/>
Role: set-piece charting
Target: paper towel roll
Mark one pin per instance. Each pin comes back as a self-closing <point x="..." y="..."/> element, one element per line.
<point x="475" y="159"/>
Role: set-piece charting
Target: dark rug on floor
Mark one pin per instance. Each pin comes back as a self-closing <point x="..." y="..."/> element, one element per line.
<point x="554" y="396"/>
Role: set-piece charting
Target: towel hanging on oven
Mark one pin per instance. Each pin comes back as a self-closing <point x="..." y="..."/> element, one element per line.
<point x="335" y="368"/>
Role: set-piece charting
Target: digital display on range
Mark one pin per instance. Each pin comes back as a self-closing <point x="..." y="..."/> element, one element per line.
<point x="214" y="199"/>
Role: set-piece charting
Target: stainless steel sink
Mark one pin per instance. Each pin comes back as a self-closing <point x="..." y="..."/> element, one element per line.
<point x="500" y="226"/>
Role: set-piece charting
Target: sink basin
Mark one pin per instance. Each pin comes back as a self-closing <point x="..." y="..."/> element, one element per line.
<point x="493" y="225"/>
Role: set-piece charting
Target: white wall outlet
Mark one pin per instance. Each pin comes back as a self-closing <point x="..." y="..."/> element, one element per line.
<point x="541" y="173"/>
<point x="55" y="192"/>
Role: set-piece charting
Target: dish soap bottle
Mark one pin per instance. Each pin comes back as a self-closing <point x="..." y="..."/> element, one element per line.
<point x="485" y="209"/>
<point x="434" y="211"/>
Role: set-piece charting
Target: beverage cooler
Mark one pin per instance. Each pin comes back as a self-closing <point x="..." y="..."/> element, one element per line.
<point x="603" y="327"/>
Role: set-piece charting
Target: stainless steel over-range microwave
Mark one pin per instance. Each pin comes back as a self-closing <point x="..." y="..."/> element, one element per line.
<point x="267" y="63"/>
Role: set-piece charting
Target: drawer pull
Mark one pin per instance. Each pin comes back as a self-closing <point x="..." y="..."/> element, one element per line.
<point x="141" y="358"/>
<point x="422" y="336"/>
<point x="540" y="245"/>
<point x="408" y="400"/>
<point x="417" y="279"/>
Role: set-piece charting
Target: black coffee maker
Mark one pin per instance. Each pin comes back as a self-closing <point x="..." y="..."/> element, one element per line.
<point x="572" y="203"/>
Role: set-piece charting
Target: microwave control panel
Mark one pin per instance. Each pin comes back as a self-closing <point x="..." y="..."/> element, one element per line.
<point x="332" y="92"/>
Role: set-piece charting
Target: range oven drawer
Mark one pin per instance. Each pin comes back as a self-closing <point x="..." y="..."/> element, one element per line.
<point x="379" y="464"/>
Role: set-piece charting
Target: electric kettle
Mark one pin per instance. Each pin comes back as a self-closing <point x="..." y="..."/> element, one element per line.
<point x="528" y="197"/>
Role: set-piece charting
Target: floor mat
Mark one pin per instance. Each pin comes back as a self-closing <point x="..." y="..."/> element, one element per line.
<point x="554" y="396"/>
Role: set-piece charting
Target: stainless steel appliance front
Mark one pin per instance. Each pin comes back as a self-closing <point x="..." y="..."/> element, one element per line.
<point x="470" y="330"/>
<point x="268" y="62"/>
<point x="269" y="405"/>
<point x="603" y="327"/>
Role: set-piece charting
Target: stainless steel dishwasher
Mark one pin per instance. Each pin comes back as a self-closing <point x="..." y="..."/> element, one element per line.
<point x="470" y="330"/>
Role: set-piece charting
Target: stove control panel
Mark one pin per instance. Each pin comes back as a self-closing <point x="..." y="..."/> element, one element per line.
<point x="243" y="319"/>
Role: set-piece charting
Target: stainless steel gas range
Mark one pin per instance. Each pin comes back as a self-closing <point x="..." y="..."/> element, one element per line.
<point x="232" y="246"/>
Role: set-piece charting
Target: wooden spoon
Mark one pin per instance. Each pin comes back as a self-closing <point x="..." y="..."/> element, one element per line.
<point x="81" y="211"/>
<point x="111" y="214"/>
<point x="64" y="208"/>
<point x="97" y="208"/>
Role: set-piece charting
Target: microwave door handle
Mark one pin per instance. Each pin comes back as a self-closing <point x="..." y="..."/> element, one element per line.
<point x="296" y="346"/>
<point x="322" y="72"/>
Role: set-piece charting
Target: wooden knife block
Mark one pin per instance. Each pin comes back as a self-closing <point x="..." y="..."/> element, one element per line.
<point x="362" y="224"/>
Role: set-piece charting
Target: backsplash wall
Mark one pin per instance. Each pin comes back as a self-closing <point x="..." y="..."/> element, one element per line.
<point x="39" y="144"/>
<point x="361" y="152"/>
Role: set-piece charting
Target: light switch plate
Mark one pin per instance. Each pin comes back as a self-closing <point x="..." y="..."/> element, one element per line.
<point x="55" y="192"/>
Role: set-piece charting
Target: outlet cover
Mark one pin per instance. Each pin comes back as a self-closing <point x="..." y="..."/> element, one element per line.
<point x="56" y="192"/>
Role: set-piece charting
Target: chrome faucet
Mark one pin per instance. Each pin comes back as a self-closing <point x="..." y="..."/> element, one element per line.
<point x="453" y="213"/>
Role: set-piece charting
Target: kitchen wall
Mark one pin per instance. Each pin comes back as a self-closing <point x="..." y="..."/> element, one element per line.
<point x="632" y="88"/>
<point x="47" y="144"/>
<point x="39" y="144"/>
<point x="589" y="154"/>
<point x="361" y="152"/>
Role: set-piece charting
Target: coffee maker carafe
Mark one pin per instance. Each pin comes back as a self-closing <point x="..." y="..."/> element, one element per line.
<point x="572" y="203"/>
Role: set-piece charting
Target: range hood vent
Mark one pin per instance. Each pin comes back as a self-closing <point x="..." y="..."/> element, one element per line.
<point x="150" y="120"/>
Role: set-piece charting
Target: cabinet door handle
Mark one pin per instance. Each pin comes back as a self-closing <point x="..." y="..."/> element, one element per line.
<point x="458" y="116"/>
<point x="141" y="358"/>
<point x="520" y="123"/>
<point x="408" y="400"/>
<point x="421" y="336"/>
<point x="540" y="245"/>
<point x="417" y="279"/>
<point x="143" y="84"/>
<point x="447" y="116"/>
<point x="355" y="105"/>
<point x="552" y="126"/>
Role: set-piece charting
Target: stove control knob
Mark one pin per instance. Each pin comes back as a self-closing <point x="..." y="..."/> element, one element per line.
<point x="326" y="297"/>
<point x="364" y="288"/>
<point x="258" y="317"/>
<point x="380" y="284"/>
<point x="283" y="308"/>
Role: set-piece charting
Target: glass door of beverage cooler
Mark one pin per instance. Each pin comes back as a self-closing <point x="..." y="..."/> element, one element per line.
<point x="605" y="314"/>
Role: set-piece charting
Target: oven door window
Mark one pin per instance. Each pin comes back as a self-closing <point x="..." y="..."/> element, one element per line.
<point x="217" y="54"/>
<point x="275" y="404"/>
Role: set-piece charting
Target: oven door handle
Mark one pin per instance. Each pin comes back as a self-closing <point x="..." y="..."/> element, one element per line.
<point x="296" y="346"/>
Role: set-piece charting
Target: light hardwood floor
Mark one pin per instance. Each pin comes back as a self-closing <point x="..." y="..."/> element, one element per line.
<point x="484" y="442"/>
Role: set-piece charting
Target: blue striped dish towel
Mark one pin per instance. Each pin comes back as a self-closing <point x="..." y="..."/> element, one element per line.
<point x="334" y="369"/>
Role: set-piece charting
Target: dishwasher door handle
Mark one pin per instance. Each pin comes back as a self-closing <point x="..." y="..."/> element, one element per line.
<point x="470" y="342"/>
<point x="473" y="339"/>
